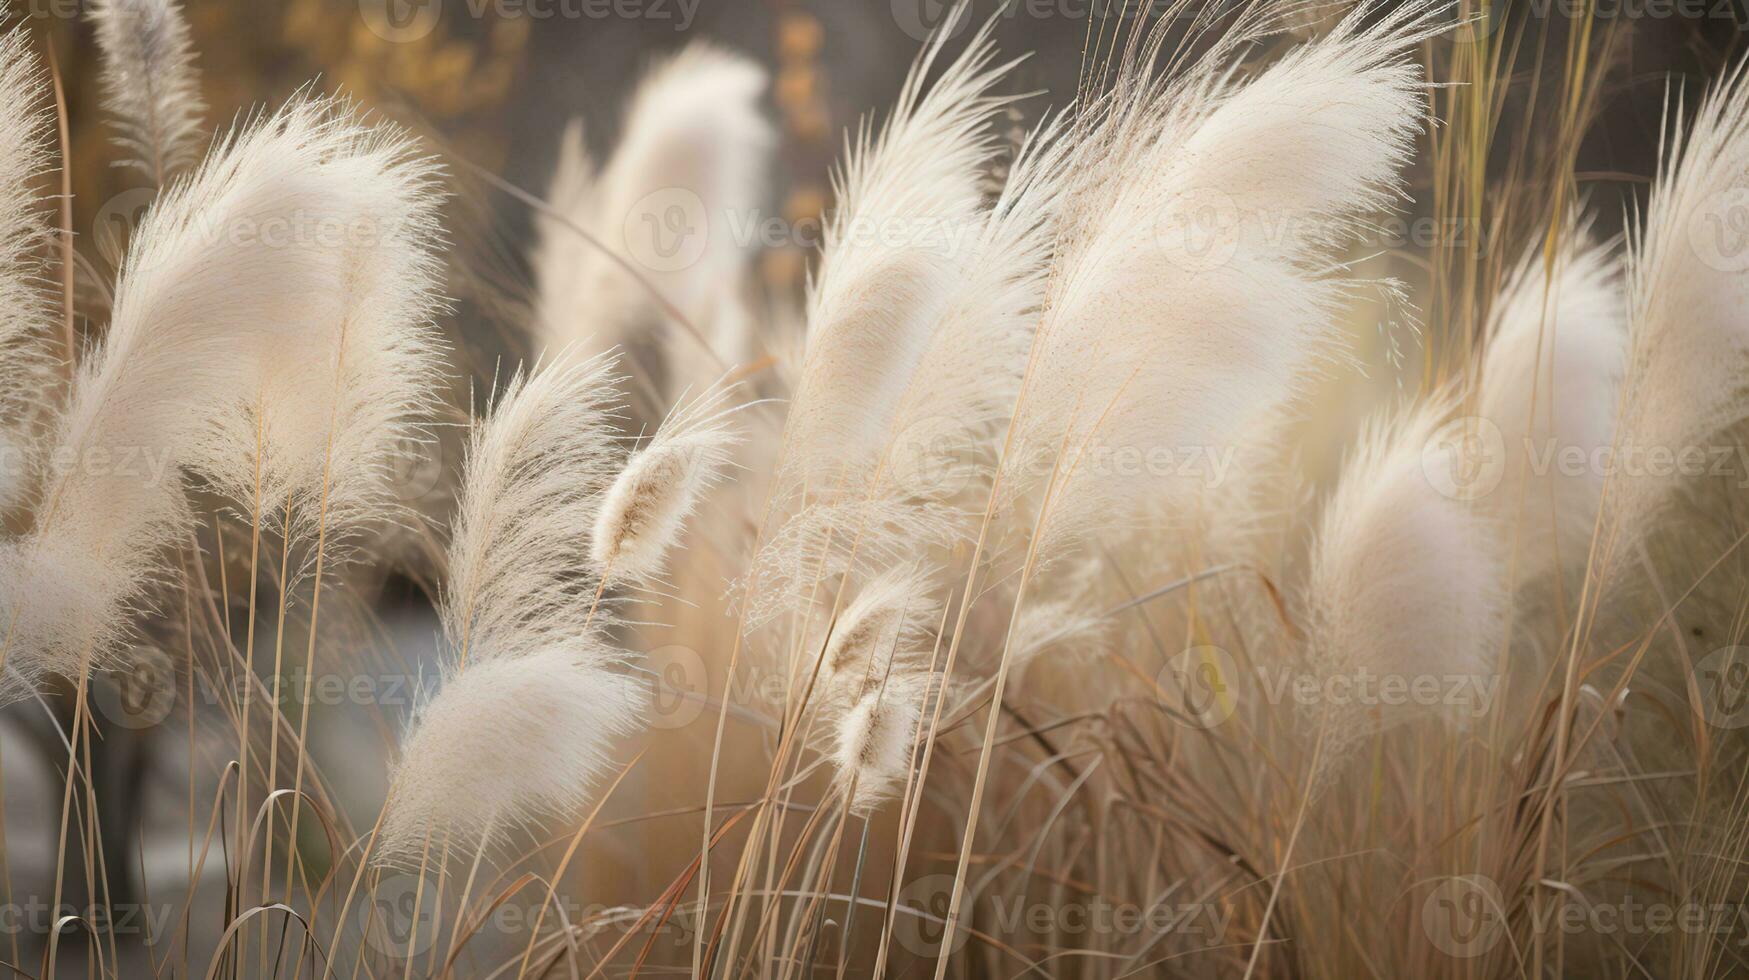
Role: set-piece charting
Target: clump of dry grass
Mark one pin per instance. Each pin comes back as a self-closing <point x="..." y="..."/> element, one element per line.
<point x="1010" y="643"/>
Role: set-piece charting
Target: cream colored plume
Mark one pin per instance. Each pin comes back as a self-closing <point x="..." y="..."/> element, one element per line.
<point x="149" y="82"/>
<point x="881" y="630"/>
<point x="333" y="428"/>
<point x="1189" y="296"/>
<point x="1550" y="386"/>
<point x="875" y="739"/>
<point x="1407" y="582"/>
<point x="645" y="510"/>
<point x="1688" y="300"/>
<point x="533" y="700"/>
<point x="25" y="311"/>
<point x="530" y="494"/>
<point x="945" y="433"/>
<point x="902" y="235"/>
<point x="678" y="201"/>
<point x="859" y="535"/>
<point x="220" y="280"/>
<point x="505" y="743"/>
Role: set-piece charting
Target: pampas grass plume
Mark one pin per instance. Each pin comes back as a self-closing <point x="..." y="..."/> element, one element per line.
<point x="1405" y="581"/>
<point x="879" y="630"/>
<point x="644" y="511"/>
<point x="337" y="400"/>
<point x="505" y="743"/>
<point x="149" y="83"/>
<point x="199" y="318"/>
<point x="1154" y="337"/>
<point x="894" y="256"/>
<point x="1688" y="342"/>
<point x="1550" y="382"/>
<point x="25" y="362"/>
<point x="874" y="740"/>
<point x="530" y="493"/>
<point x="694" y="140"/>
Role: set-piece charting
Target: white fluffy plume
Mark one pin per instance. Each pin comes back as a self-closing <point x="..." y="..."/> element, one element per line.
<point x="207" y="296"/>
<point x="533" y="700"/>
<point x="149" y="83"/>
<point x="645" y="510"/>
<point x="944" y="433"/>
<point x="536" y="470"/>
<point x="1688" y="293"/>
<point x="337" y="411"/>
<point x="907" y="220"/>
<point x="876" y="737"/>
<point x="507" y="742"/>
<point x="686" y="178"/>
<point x="1190" y="295"/>
<point x="880" y="631"/>
<point x="24" y="308"/>
<point x="1405" y="581"/>
<point x="1551" y="383"/>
